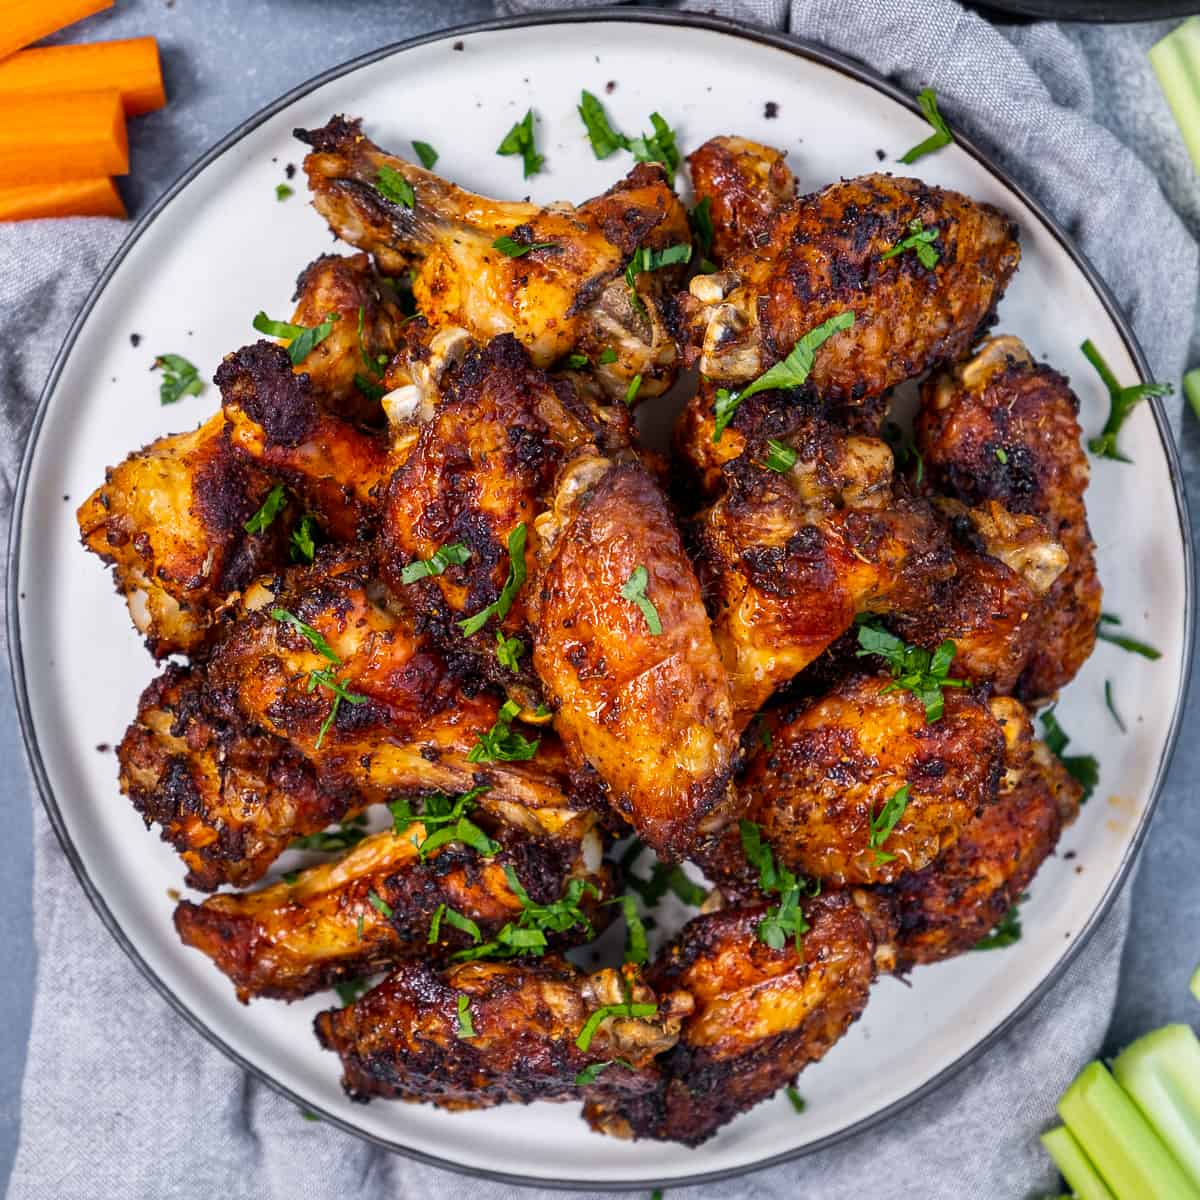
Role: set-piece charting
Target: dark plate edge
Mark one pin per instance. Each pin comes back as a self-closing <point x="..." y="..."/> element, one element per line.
<point x="825" y="57"/>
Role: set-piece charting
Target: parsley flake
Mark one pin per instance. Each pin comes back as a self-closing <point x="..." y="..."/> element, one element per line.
<point x="180" y="378"/>
<point x="420" y="568"/>
<point x="604" y="138"/>
<point x="520" y="140"/>
<point x="1122" y="401"/>
<point x="346" y="835"/>
<point x="796" y="1100"/>
<point x="301" y="339"/>
<point x="918" y="240"/>
<point x="391" y="185"/>
<point x="303" y="544"/>
<point x="636" y="947"/>
<point x="1083" y="768"/>
<point x="283" y="191"/>
<point x="607" y="355"/>
<point x="444" y="820"/>
<point x="941" y="136"/>
<point x="466" y="1028"/>
<point x="379" y="904"/>
<point x="509" y="651"/>
<point x="454" y="919"/>
<point x="577" y="362"/>
<point x="511" y="248"/>
<point x="593" y="1023"/>
<point x="634" y="591"/>
<point x="785" y="918"/>
<point x="659" y="146"/>
<point x="635" y="385"/>
<point x="349" y="990"/>
<point x="426" y="153"/>
<point x="700" y="219"/>
<point x="1111" y="705"/>
<point x="591" y="1072"/>
<point x="1122" y="640"/>
<point x="516" y="577"/>
<point x="885" y="821"/>
<point x="271" y="506"/>
<point x="501" y="743"/>
<point x="904" y="451"/>
<point x="913" y="667"/>
<point x="645" y="259"/>
<point x="1006" y="931"/>
<point x="780" y="458"/>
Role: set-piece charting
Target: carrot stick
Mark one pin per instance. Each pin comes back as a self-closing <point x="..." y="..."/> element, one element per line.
<point x="130" y="67"/>
<point x="25" y="21"/>
<point x="44" y="138"/>
<point x="71" y="198"/>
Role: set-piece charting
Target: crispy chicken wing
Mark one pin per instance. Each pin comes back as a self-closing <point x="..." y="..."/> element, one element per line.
<point x="823" y="255"/>
<point x="486" y="1033"/>
<point x="171" y="519"/>
<point x="565" y="294"/>
<point x="1000" y="427"/>
<point x="624" y="650"/>
<point x="321" y="925"/>
<point x="788" y="559"/>
<point x="745" y="184"/>
<point x="761" y="1016"/>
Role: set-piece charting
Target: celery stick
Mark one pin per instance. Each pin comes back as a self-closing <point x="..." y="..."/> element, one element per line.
<point x="1116" y="1137"/>
<point x="1176" y="62"/>
<point x="1195" y="983"/>
<point x="1082" y="1178"/>
<point x="1191" y="389"/>
<point x="1161" y="1072"/>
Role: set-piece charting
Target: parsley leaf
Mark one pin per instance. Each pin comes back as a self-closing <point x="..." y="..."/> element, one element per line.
<point x="885" y="821"/>
<point x="456" y="553"/>
<point x="302" y="339"/>
<point x="1122" y="640"/>
<point x="591" y="1072"/>
<point x="636" y="948"/>
<point x="1083" y="768"/>
<point x="349" y="990"/>
<point x="466" y="1028"/>
<point x="426" y="153"/>
<point x="791" y="373"/>
<point x="912" y="667"/>
<point x="516" y="577"/>
<point x="635" y="592"/>
<point x="1007" y="930"/>
<point x="941" y="136"/>
<point x="797" y="1101"/>
<point x="511" y="248"/>
<point x="373" y="364"/>
<point x="520" y="140"/>
<point x="180" y="378"/>
<point x="314" y="639"/>
<point x="1122" y="401"/>
<point x="780" y="458"/>
<point x="283" y="191"/>
<point x="658" y="146"/>
<point x="379" y="904"/>
<point x="1111" y="705"/>
<point x="509" y="651"/>
<point x="606" y="356"/>
<point x="635" y="385"/>
<point x="593" y="1023"/>
<point x="919" y="239"/>
<point x="444" y="820"/>
<point x="578" y="361"/>
<point x="391" y="185"/>
<point x="303" y="544"/>
<point x="646" y="259"/>
<point x="604" y="138"/>
<point x="454" y="919"/>
<point x="904" y="450"/>
<point x="700" y="219"/>
<point x="785" y="918"/>
<point x="501" y="743"/>
<point x="662" y="879"/>
<point x="265" y="517"/>
<point x="348" y="834"/>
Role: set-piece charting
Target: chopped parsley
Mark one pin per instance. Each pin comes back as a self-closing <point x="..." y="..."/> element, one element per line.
<point x="1002" y="456"/>
<point x="604" y="138"/>
<point x="348" y="834"/>
<point x="1006" y="931"/>
<point x="391" y="185"/>
<point x="420" y="568"/>
<point x="301" y="339"/>
<point x="511" y="248"/>
<point x="180" y="378"/>
<point x="662" y="879"/>
<point x="659" y="146"/>
<point x="509" y="651"/>
<point x="593" y="1023"/>
<point x="516" y="577"/>
<point x="607" y="355"/>
<point x="501" y="743"/>
<point x="785" y="918"/>
<point x="591" y="1072"/>
<point x="578" y="361"/>
<point x="792" y="372"/>
<point x="426" y="153"/>
<point x="636" y="947"/>
<point x="913" y="667"/>
<point x="941" y="135"/>
<point x="919" y="240"/>
<point x="368" y="387"/>
<point x="1122" y="401"/>
<point x="645" y="260"/>
<point x="379" y="904"/>
<point x="797" y="1100"/>
<point x="271" y="506"/>
<point x="885" y="821"/>
<point x="520" y="140"/>
<point x="466" y="1028"/>
<point x="1122" y="640"/>
<point x="634" y="591"/>
<point x="700" y="219"/>
<point x="455" y="920"/>
<point x="1111" y="705"/>
<point x="303" y="544"/>
<point x="904" y="450"/>
<point x="780" y="458"/>
<point x="374" y="364"/>
<point x="283" y="191"/>
<point x="1083" y="768"/>
<point x="445" y="820"/>
<point x="635" y="386"/>
<point x="349" y="990"/>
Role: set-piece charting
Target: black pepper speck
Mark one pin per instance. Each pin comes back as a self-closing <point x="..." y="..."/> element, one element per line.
<point x="770" y="110"/>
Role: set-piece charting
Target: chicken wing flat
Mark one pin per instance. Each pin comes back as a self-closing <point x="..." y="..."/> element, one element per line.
<point x="761" y="1016"/>
<point x="486" y="1033"/>
<point x="745" y="184"/>
<point x="789" y="558"/>
<point x="229" y="797"/>
<point x="824" y="255"/>
<point x="1001" y="427"/>
<point x="566" y="293"/>
<point x="624" y="650"/>
<point x="378" y="904"/>
<point x="171" y="519"/>
<point x="949" y="906"/>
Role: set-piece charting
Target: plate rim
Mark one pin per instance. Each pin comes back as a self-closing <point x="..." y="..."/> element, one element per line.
<point x="823" y="56"/>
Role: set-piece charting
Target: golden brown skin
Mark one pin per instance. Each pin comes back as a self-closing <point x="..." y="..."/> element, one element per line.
<point x="403" y="1038"/>
<point x="745" y="183"/>
<point x="946" y="908"/>
<point x="571" y="297"/>
<point x="229" y="797"/>
<point x="788" y="560"/>
<point x="275" y="417"/>
<point x="822" y="256"/>
<point x="1000" y="400"/>
<point x="171" y="521"/>
<point x="761" y="1016"/>
<point x="831" y="765"/>
<point x="311" y="930"/>
<point x="649" y="711"/>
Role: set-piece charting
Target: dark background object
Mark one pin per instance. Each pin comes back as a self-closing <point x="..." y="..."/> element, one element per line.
<point x="1087" y="10"/>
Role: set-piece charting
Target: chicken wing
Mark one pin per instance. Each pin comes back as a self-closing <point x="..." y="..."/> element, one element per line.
<point x="824" y="255"/>
<point x="560" y="288"/>
<point x="624" y="650"/>
<point x="486" y="1033"/>
<point x="377" y="905"/>
<point x="761" y="1016"/>
<point x="1000" y="427"/>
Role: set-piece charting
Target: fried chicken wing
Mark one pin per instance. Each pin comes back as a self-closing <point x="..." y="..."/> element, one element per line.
<point x="761" y="1016"/>
<point x="1001" y="427"/>
<point x="565" y="294"/>
<point x="171" y="520"/>
<point x="745" y="184"/>
<point x="823" y="255"/>
<point x="624" y="650"/>
<point x="321" y="925"/>
<point x="788" y="559"/>
<point x="486" y="1033"/>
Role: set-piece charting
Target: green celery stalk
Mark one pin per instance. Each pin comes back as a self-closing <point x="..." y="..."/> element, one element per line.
<point x="1117" y="1138"/>
<point x="1176" y="62"/>
<point x="1161" y="1072"/>
<point x="1191" y="389"/>
<point x="1075" y="1166"/>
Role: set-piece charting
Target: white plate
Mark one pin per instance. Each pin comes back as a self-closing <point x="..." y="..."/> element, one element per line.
<point x="220" y="247"/>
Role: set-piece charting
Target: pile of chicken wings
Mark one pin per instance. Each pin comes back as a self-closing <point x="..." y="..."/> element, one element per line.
<point x="419" y="559"/>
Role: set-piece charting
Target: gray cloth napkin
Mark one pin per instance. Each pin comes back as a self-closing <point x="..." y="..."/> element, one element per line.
<point x="122" y="1098"/>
